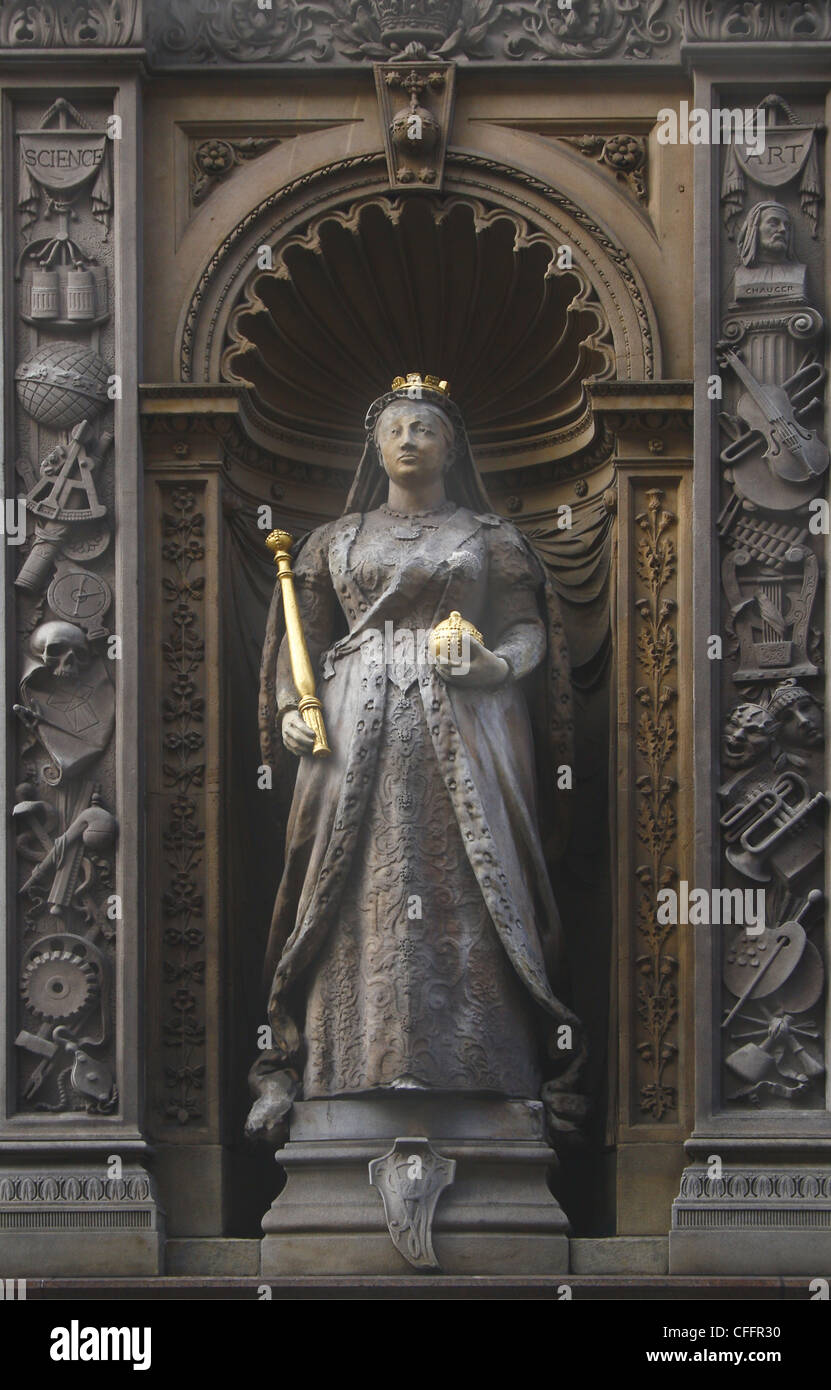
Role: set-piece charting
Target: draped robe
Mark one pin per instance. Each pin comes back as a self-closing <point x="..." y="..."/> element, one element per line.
<point x="415" y="922"/>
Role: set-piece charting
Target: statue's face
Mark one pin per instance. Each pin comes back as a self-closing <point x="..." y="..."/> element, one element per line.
<point x="774" y="233"/>
<point x="747" y="734"/>
<point x="800" y="723"/>
<point x="415" y="442"/>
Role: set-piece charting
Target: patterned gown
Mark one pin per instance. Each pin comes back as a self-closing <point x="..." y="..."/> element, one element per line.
<point x="415" y="894"/>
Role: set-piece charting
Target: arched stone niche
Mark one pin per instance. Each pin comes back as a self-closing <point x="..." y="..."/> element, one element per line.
<point x="540" y="321"/>
<point x="547" y="216"/>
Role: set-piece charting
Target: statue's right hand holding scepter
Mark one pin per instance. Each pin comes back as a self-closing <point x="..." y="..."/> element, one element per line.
<point x="303" y="729"/>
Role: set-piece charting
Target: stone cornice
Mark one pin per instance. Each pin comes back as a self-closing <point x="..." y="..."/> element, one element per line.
<point x="292" y="34"/>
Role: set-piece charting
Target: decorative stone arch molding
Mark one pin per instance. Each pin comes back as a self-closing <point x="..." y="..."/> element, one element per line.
<point x="541" y="212"/>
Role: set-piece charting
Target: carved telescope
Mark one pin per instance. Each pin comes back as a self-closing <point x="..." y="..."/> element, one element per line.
<point x="763" y="820"/>
<point x="311" y="710"/>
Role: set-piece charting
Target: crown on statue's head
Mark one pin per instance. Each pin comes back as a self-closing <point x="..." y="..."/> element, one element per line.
<point x="421" y="383"/>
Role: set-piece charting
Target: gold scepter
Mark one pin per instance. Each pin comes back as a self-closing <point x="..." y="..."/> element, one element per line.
<point x="311" y="710"/>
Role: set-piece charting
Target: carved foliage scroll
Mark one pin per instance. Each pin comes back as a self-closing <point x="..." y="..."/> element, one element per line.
<point x="183" y="779"/>
<point x="182" y="32"/>
<point x="656" y="647"/>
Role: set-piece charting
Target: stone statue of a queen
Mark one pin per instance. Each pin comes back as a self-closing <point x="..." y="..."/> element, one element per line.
<point x="415" y="941"/>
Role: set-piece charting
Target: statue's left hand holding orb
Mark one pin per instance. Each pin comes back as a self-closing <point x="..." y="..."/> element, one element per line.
<point x="471" y="664"/>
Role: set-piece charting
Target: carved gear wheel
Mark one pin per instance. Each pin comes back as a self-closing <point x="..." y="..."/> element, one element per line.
<point x="59" y="984"/>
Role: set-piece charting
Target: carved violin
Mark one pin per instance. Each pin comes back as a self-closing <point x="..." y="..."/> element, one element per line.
<point x="793" y="452"/>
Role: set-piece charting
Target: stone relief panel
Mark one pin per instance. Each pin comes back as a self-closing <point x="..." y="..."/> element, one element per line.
<point x="774" y="463"/>
<point x="186" y="32"/>
<point x="65" y="832"/>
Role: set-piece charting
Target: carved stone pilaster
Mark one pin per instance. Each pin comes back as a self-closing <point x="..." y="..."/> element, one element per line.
<point x="183" y="693"/>
<point x="651" y="425"/>
<point x="755" y="1198"/>
<point x="72" y="773"/>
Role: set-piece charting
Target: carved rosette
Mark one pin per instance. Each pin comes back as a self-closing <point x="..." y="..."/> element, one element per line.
<point x="183" y="779"/>
<point x="657" y="789"/>
<point x="625" y="155"/>
<point x="213" y="160"/>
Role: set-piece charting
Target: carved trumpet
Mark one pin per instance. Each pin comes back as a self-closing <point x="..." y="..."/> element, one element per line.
<point x="311" y="710"/>
<point x="761" y="822"/>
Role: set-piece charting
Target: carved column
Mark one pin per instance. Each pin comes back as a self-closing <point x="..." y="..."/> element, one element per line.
<point x="652" y="774"/>
<point x="756" y="1195"/>
<point x="75" y="1196"/>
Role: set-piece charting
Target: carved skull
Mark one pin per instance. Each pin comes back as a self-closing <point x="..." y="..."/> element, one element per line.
<point x="61" y="647"/>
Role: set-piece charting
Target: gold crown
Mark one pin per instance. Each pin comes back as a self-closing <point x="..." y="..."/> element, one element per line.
<point x="429" y="383"/>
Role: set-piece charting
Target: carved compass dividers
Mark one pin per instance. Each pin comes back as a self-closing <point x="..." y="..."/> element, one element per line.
<point x="774" y="461"/>
<point x="65" y="831"/>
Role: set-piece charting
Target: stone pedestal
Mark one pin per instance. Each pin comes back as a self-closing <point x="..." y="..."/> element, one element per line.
<point x="497" y="1217"/>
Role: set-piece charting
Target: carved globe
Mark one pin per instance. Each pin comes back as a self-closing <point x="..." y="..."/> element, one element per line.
<point x="62" y="384"/>
<point x="418" y="138"/>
